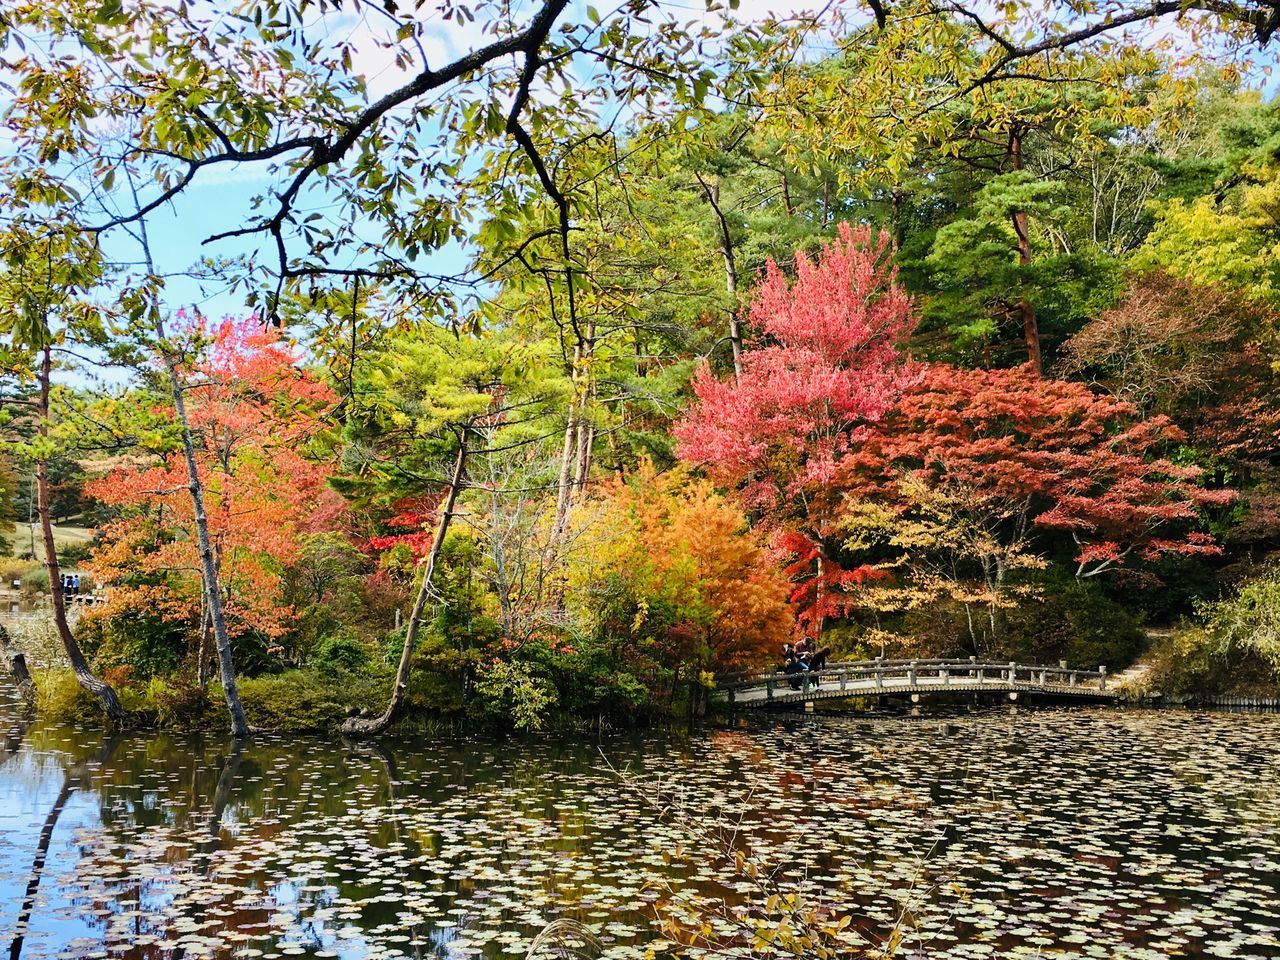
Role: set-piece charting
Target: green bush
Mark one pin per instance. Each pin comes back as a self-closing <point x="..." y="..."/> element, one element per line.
<point x="1249" y="621"/>
<point x="74" y="553"/>
<point x="306" y="700"/>
<point x="178" y="701"/>
<point x="340" y="654"/>
<point x="1073" y="620"/>
<point x="149" y="645"/>
<point x="1190" y="662"/>
<point x="36" y="581"/>
<point x="61" y="699"/>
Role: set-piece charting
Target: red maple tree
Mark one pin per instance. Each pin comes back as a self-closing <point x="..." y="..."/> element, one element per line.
<point x="972" y="464"/>
<point x="825" y="361"/>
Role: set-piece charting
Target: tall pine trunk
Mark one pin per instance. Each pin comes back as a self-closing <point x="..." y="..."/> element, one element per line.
<point x="99" y="688"/>
<point x="711" y="191"/>
<point x="364" y="727"/>
<point x="1021" y="229"/>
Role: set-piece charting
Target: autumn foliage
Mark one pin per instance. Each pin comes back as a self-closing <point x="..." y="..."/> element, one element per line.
<point x="252" y="412"/>
<point x="825" y="361"/>
<point x="975" y="470"/>
<point x="676" y="561"/>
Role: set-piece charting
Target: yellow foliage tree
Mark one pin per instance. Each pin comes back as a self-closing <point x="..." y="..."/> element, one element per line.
<point x="678" y="570"/>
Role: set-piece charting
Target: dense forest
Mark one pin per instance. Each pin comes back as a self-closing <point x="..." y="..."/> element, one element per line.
<point x="556" y="383"/>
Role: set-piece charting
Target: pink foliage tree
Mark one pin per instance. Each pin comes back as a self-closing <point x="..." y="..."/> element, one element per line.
<point x="826" y="362"/>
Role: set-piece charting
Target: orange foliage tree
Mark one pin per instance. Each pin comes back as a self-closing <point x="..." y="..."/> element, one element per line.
<point x="678" y="572"/>
<point x="252" y="411"/>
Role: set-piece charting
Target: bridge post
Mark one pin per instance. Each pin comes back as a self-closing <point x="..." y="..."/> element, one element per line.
<point x="1102" y="677"/>
<point x="911" y="674"/>
<point x="946" y="676"/>
<point x="980" y="671"/>
<point x="1013" y="671"/>
<point x="879" y="673"/>
<point x="768" y="688"/>
<point x="844" y="679"/>
<point x="1074" y="678"/>
<point x="973" y="667"/>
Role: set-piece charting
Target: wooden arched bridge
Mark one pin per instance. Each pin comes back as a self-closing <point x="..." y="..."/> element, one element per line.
<point x="916" y="679"/>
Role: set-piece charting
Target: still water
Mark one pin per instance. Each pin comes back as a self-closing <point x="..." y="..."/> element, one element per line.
<point x="1080" y="833"/>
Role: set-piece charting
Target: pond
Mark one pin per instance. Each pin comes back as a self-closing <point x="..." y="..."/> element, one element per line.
<point x="1073" y="833"/>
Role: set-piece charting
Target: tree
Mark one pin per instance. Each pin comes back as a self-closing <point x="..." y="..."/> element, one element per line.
<point x="1168" y="342"/>
<point x="825" y="361"/>
<point x="434" y="399"/>
<point x="1227" y="234"/>
<point x="824" y="364"/>
<point x="686" y="565"/>
<point x="48" y="273"/>
<point x="248" y="413"/>
<point x="973" y="470"/>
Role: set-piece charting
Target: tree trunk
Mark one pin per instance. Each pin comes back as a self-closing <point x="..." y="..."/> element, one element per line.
<point x="16" y="663"/>
<point x="85" y="676"/>
<point x="361" y="726"/>
<point x="203" y="673"/>
<point x="1026" y="310"/>
<point x="564" y="481"/>
<point x="711" y="190"/>
<point x="208" y="564"/>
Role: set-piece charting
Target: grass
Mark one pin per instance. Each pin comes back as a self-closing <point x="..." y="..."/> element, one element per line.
<point x="64" y="535"/>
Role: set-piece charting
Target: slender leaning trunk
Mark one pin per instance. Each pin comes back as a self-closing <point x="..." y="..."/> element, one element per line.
<point x="361" y="726"/>
<point x="99" y="688"/>
<point x="208" y="563"/>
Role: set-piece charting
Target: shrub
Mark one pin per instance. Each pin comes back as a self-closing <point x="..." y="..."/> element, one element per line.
<point x="179" y="701"/>
<point x="148" y="644"/>
<point x="306" y="700"/>
<point x="340" y="654"/>
<point x="11" y="570"/>
<point x="36" y="580"/>
<point x="1073" y="620"/>
<point x="1190" y="662"/>
<point x="515" y="691"/>
<point x="1249" y="621"/>
<point x="61" y="699"/>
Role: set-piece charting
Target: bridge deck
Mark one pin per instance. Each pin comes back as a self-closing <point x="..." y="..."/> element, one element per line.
<point x="923" y="677"/>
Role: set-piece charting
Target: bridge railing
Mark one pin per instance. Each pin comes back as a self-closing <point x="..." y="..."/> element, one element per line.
<point x="911" y="674"/>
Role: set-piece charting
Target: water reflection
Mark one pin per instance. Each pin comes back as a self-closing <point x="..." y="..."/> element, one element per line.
<point x="71" y="781"/>
<point x="1075" y="834"/>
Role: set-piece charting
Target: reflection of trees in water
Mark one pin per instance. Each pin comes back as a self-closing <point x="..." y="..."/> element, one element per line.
<point x="222" y="795"/>
<point x="386" y="759"/>
<point x="71" y="782"/>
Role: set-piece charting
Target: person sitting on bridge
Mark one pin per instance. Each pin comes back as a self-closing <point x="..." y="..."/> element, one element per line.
<point x="810" y="659"/>
<point x="792" y="665"/>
